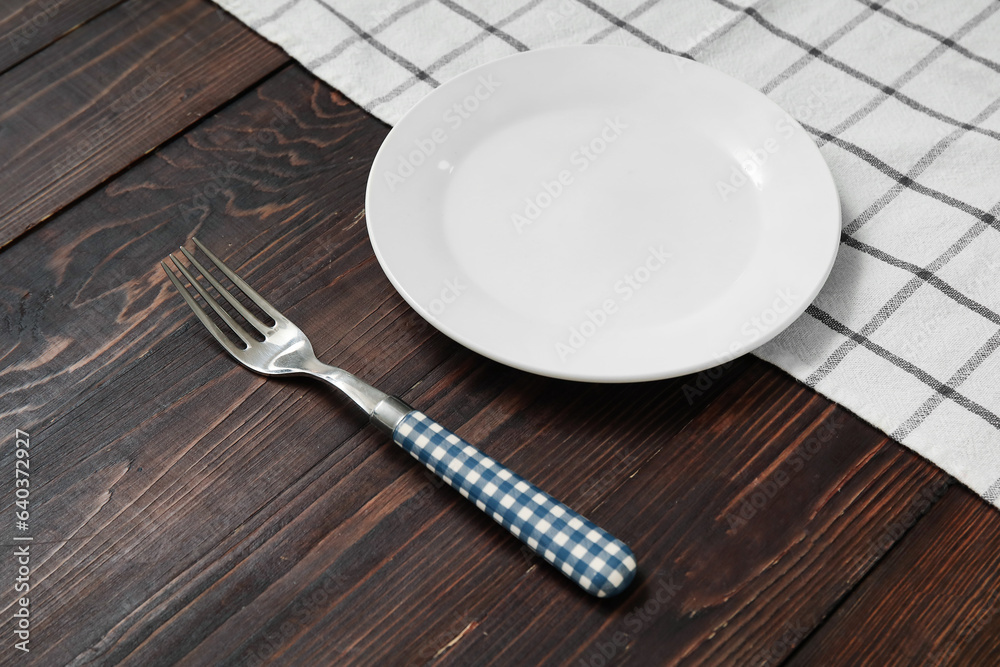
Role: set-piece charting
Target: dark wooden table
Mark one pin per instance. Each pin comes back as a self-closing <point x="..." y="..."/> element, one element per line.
<point x="183" y="509"/>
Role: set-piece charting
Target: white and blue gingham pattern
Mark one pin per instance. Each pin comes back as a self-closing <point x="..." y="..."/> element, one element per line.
<point x="587" y="554"/>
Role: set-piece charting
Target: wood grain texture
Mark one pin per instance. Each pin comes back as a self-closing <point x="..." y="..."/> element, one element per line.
<point x="935" y="600"/>
<point x="106" y="94"/>
<point x="29" y="27"/>
<point x="193" y="512"/>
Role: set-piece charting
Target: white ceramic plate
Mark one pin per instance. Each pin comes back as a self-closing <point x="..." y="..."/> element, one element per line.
<point x="603" y="214"/>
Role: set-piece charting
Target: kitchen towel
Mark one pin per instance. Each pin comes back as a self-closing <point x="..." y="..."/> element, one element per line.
<point x="902" y="98"/>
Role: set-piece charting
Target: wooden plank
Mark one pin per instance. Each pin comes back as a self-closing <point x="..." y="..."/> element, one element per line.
<point x="107" y="312"/>
<point x="80" y="111"/>
<point x="232" y="518"/>
<point x="30" y="26"/>
<point x="935" y="600"/>
<point x="718" y="588"/>
<point x="84" y="299"/>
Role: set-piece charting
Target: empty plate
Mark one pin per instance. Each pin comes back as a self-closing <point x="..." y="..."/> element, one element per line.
<point x="603" y="214"/>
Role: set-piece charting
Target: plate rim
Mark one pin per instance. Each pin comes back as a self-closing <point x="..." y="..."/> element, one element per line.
<point x="793" y="313"/>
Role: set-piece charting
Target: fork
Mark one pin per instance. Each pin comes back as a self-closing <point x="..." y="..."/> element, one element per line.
<point x="598" y="562"/>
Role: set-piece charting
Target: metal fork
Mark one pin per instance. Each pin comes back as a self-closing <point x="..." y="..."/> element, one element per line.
<point x="595" y="560"/>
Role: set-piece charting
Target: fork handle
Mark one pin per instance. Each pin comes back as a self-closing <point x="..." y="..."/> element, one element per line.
<point x="587" y="554"/>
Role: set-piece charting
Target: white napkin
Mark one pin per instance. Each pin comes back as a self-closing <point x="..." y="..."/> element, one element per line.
<point x="903" y="101"/>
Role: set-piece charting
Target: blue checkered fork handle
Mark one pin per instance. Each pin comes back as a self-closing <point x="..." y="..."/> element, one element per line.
<point x="584" y="552"/>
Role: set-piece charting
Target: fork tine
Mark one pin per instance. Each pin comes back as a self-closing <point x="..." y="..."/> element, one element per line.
<point x="239" y="282"/>
<point x="233" y="301"/>
<point x="209" y="324"/>
<point x="202" y="315"/>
